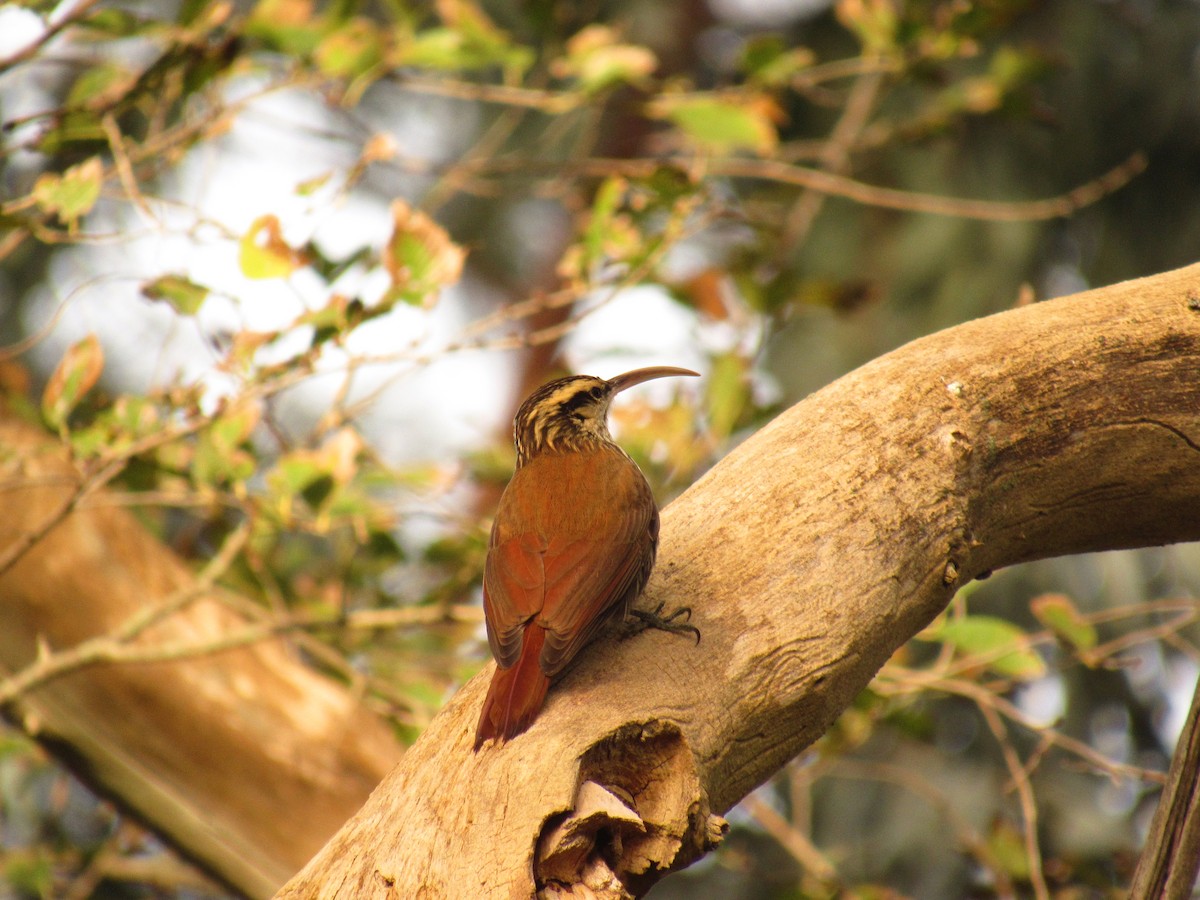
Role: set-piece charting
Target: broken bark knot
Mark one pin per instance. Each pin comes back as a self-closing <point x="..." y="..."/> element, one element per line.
<point x="639" y="814"/>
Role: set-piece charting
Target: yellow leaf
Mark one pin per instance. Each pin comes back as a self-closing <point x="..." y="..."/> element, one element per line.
<point x="598" y="60"/>
<point x="420" y="257"/>
<point x="76" y="374"/>
<point x="263" y="253"/>
<point x="1059" y="613"/>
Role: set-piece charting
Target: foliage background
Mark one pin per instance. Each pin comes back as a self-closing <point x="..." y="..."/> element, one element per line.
<point x="282" y="271"/>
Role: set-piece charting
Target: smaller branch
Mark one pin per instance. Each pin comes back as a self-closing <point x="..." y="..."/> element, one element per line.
<point x="124" y="167"/>
<point x="781" y="172"/>
<point x="30" y="50"/>
<point x="1185" y="647"/>
<point x="1162" y="632"/>
<point x="473" y="336"/>
<point x="549" y="102"/>
<point x="798" y="845"/>
<point x="380" y="619"/>
<point x="1168" y="866"/>
<point x="970" y="838"/>
<point x="911" y="201"/>
<point x="488" y="146"/>
<point x="834" y="157"/>
<point x="837" y="69"/>
<point x="908" y="681"/>
<point x="14" y="551"/>
<point x="115" y="647"/>
<point x="1024" y="789"/>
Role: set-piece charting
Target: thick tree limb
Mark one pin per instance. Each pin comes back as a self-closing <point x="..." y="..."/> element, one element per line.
<point x="809" y="555"/>
<point x="247" y="760"/>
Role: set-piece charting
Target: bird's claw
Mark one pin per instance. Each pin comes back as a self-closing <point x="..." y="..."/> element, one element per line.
<point x="645" y="620"/>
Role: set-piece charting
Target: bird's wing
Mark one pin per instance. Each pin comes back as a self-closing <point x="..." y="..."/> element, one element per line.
<point x="581" y="598"/>
<point x="513" y="586"/>
<point x="571" y="544"/>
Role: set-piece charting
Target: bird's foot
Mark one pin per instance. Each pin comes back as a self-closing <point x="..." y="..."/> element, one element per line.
<point x="639" y="620"/>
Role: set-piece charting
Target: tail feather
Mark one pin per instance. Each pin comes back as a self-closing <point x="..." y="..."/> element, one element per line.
<point x="516" y="694"/>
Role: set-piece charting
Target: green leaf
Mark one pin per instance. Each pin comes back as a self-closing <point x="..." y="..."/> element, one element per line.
<point x="31" y="873"/>
<point x="100" y="84"/>
<point x="350" y="51"/>
<point x="213" y="466"/>
<point x="113" y="22"/>
<point x="78" y="127"/>
<point x="220" y="458"/>
<point x="722" y="126"/>
<point x="286" y="25"/>
<point x="876" y="22"/>
<point x="1008" y="849"/>
<point x="314" y="475"/>
<point x="605" y="206"/>
<point x="76" y="374"/>
<point x="381" y="547"/>
<point x="1000" y="641"/>
<point x="310" y="186"/>
<point x="465" y="48"/>
<point x="293" y="473"/>
<point x="1058" y="613"/>
<point x="183" y="294"/>
<point x="769" y="61"/>
<point x="117" y="428"/>
<point x="234" y="426"/>
<point x="727" y="393"/>
<point x="72" y="194"/>
<point x="1013" y="67"/>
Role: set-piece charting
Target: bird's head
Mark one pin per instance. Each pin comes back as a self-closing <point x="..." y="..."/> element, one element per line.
<point x="566" y="414"/>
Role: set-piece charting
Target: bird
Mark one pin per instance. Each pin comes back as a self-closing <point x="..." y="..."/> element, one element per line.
<point x="571" y="546"/>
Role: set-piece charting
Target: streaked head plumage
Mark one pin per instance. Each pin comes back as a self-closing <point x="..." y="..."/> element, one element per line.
<point x="567" y="414"/>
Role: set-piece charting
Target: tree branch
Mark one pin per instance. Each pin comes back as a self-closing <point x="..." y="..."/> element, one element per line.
<point x="1168" y="866"/>
<point x="809" y="555"/>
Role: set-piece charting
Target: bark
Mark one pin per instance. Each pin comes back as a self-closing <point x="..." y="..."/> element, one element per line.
<point x="1168" y="866"/>
<point x="809" y="555"/>
<point x="246" y="760"/>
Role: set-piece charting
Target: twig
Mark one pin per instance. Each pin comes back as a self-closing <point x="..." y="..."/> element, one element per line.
<point x="113" y="645"/>
<point x="803" y="850"/>
<point x="14" y="551"/>
<point x="546" y="101"/>
<point x="30" y="50"/>
<point x="983" y="697"/>
<point x="974" y="842"/>
<point x="813" y="179"/>
<point x="834" y="157"/>
<point x="472" y="337"/>
<point x="911" y="201"/>
<point x="1029" y="810"/>
<point x="124" y="168"/>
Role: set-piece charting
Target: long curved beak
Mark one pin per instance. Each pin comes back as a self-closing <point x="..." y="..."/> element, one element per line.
<point x="637" y="376"/>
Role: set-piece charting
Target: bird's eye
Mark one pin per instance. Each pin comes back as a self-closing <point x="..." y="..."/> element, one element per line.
<point x="596" y="393"/>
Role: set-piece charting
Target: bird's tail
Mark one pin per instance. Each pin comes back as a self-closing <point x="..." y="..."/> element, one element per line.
<point x="516" y="693"/>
